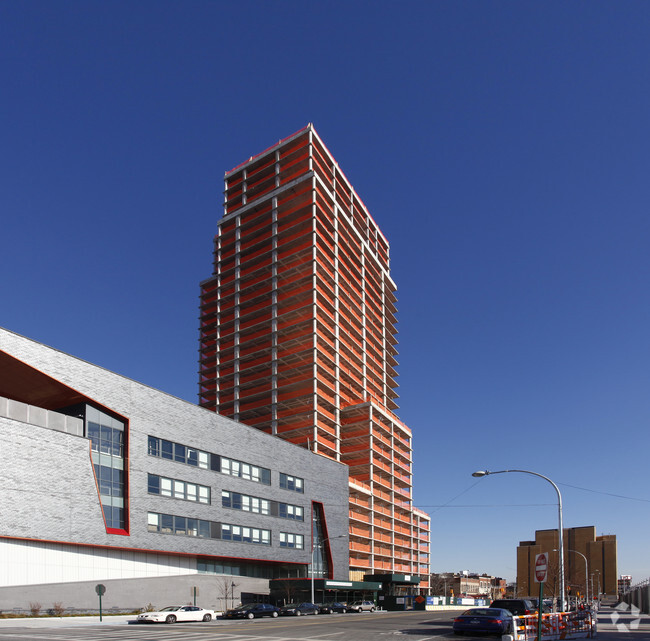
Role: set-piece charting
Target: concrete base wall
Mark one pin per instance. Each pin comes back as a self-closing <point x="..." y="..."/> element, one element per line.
<point x="127" y="595"/>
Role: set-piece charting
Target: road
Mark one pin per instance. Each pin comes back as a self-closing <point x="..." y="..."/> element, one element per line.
<point x="613" y="625"/>
<point x="377" y="626"/>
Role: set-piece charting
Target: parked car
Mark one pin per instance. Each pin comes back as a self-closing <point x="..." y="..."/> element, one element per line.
<point x="174" y="613"/>
<point x="298" y="609"/>
<point x="361" y="606"/>
<point x="329" y="608"/>
<point x="518" y="607"/>
<point x="251" y="611"/>
<point x="489" y="620"/>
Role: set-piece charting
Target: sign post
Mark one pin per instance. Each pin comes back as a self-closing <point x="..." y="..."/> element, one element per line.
<point x="100" y="589"/>
<point x="541" y="571"/>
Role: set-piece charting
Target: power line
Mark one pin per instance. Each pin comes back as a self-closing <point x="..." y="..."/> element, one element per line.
<point x="618" y="496"/>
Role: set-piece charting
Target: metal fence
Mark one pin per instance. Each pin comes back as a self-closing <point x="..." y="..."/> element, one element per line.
<point x="638" y="596"/>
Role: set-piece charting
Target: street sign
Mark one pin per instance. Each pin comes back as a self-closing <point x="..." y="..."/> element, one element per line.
<point x="541" y="567"/>
<point x="101" y="590"/>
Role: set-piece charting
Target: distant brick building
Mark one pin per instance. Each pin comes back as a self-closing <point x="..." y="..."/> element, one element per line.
<point x="600" y="552"/>
<point x="468" y="584"/>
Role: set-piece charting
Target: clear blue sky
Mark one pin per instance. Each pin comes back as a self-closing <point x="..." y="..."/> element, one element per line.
<point x="502" y="147"/>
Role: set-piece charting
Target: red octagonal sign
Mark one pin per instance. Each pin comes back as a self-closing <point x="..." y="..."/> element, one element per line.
<point x="541" y="567"/>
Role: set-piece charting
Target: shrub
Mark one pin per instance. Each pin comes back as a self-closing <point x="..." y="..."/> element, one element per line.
<point x="58" y="609"/>
<point x="35" y="608"/>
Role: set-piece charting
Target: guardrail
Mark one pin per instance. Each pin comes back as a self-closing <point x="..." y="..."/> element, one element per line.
<point x="560" y="625"/>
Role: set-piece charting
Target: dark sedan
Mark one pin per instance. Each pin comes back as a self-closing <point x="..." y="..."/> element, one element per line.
<point x="298" y="609"/>
<point x="330" y="608"/>
<point x="252" y="610"/>
<point x="487" y="620"/>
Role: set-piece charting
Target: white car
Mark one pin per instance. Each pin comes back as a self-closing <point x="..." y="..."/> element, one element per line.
<point x="174" y="613"/>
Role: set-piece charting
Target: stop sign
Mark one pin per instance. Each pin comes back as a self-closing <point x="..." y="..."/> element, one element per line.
<point x="541" y="567"/>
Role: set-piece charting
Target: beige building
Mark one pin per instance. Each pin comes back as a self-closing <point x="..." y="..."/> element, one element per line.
<point x="467" y="584"/>
<point x="580" y="543"/>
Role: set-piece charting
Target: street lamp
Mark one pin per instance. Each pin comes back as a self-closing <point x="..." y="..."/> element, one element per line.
<point x="313" y="548"/>
<point x="586" y="573"/>
<point x="481" y="473"/>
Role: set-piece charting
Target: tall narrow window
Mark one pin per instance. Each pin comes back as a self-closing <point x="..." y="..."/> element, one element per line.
<point x="320" y="566"/>
<point x="107" y="443"/>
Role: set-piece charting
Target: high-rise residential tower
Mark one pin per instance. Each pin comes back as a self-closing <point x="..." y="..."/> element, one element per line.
<point x="298" y="338"/>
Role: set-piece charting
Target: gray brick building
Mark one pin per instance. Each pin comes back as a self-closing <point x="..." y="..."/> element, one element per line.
<point x="108" y="480"/>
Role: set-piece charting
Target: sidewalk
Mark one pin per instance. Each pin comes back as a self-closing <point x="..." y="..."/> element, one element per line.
<point x="67" y="622"/>
<point x="622" y="625"/>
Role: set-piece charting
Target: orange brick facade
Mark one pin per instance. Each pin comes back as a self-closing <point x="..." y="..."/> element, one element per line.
<point x="298" y="338"/>
<point x="600" y="552"/>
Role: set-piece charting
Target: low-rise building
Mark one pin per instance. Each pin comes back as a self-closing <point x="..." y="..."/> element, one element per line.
<point x="467" y="584"/>
<point x="106" y="480"/>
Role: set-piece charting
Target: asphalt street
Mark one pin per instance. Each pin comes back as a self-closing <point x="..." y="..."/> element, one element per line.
<point x="613" y="625"/>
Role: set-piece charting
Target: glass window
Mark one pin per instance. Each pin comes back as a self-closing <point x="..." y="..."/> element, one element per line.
<point x="288" y="540"/>
<point x="166" y="523"/>
<point x="153" y="522"/>
<point x="204" y="529"/>
<point x="154" y="446"/>
<point x="154" y="484"/>
<point x="93" y="435"/>
<point x="292" y="483"/>
<point x="180" y="524"/>
<point x="167" y="450"/>
<point x="166" y="487"/>
<point x="179" y="453"/>
<point x="203" y="460"/>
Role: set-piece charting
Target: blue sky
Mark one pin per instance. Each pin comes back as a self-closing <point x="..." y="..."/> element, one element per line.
<point x="502" y="147"/>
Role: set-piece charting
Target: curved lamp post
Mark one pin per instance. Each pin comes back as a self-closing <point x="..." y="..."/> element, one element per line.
<point x="560" y="526"/>
<point x="586" y="572"/>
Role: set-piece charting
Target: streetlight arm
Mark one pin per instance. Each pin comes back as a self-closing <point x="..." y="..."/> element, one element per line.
<point x="481" y="473"/>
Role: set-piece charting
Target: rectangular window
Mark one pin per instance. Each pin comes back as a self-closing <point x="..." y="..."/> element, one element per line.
<point x="246" y="503"/>
<point x="245" y="471"/>
<point x="154" y="446"/>
<point x="114" y="442"/>
<point x="179" y="453"/>
<point x="293" y="483"/>
<point x="153" y="522"/>
<point x="178" y="489"/>
<point x="182" y="526"/>
<point x="288" y="540"/>
<point x="204" y="460"/>
<point x="167" y="448"/>
<point x="166" y="487"/>
<point x="154" y="484"/>
<point x="294" y="512"/>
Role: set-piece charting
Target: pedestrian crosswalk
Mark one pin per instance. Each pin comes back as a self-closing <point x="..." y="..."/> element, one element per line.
<point x="133" y="633"/>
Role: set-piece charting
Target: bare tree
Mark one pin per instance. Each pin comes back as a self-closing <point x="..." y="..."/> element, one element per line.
<point x="289" y="588"/>
<point x="226" y="590"/>
<point x="440" y="584"/>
